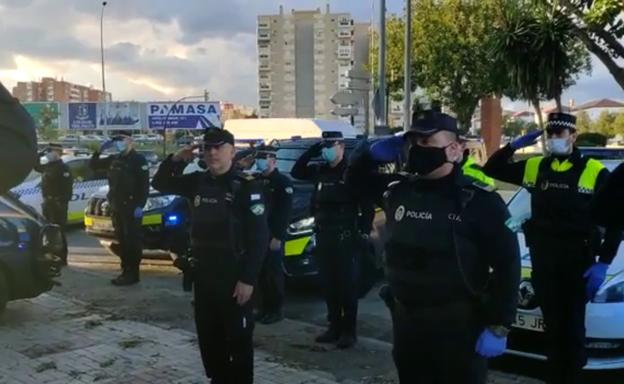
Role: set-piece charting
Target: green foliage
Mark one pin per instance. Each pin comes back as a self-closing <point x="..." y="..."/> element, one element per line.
<point x="583" y="122"/>
<point x="538" y="53"/>
<point x="591" y="139"/>
<point x="608" y="123"/>
<point x="45" y="127"/>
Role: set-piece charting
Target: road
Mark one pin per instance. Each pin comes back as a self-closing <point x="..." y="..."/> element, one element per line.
<point x="159" y="300"/>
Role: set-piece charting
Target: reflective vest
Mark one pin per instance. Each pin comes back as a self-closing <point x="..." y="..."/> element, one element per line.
<point x="471" y="169"/>
<point x="586" y="183"/>
<point x="561" y="194"/>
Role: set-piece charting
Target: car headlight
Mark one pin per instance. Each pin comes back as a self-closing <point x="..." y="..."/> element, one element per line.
<point x="612" y="294"/>
<point x="158" y="202"/>
<point x="303" y="225"/>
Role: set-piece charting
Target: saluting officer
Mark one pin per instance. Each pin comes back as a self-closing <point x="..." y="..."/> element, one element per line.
<point x="279" y="197"/>
<point x="229" y="237"/>
<point x="342" y="219"/>
<point x="562" y="238"/>
<point x="57" y="185"/>
<point x="453" y="266"/>
<point x="128" y="183"/>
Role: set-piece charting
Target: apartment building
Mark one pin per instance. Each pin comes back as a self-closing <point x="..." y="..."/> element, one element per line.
<point x="50" y="89"/>
<point x="303" y="58"/>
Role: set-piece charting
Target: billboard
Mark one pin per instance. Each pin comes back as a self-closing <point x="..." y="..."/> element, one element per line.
<point x="119" y="115"/>
<point x="193" y="115"/>
<point x="45" y="115"/>
<point x="82" y="116"/>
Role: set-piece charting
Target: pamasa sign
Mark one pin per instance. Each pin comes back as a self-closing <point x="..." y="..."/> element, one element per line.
<point x="195" y="115"/>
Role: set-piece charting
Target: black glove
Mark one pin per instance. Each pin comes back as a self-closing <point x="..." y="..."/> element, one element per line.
<point x="316" y="149"/>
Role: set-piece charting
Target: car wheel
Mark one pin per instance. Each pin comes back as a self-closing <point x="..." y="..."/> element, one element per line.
<point x="4" y="291"/>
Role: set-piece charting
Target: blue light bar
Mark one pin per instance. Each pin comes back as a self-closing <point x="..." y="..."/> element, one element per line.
<point x="172" y="220"/>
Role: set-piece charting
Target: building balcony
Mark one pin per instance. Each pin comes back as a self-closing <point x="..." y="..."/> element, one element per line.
<point x="264" y="65"/>
<point x="265" y="96"/>
<point x="345" y="53"/>
<point x="265" y="86"/>
<point x="345" y="33"/>
<point x="345" y="22"/>
<point x="264" y="25"/>
<point x="264" y="36"/>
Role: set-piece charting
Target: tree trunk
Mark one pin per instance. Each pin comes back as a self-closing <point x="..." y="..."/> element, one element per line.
<point x="558" y="101"/>
<point x="540" y="120"/>
<point x="616" y="71"/>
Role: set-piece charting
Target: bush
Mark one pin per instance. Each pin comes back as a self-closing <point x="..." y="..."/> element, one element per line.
<point x="591" y="139"/>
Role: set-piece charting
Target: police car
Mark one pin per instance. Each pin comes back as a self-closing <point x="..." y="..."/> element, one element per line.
<point x="604" y="315"/>
<point x="166" y="222"/>
<point x="31" y="251"/>
<point x="86" y="182"/>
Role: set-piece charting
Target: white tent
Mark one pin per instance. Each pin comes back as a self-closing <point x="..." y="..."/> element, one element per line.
<point x="269" y="129"/>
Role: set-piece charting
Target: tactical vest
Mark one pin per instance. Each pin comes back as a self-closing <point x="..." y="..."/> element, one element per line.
<point x="561" y="193"/>
<point x="422" y="262"/>
<point x="471" y="169"/>
<point x="122" y="181"/>
<point x="334" y="207"/>
<point x="215" y="222"/>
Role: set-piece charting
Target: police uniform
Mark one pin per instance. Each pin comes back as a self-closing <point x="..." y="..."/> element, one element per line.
<point x="279" y="195"/>
<point x="56" y="189"/>
<point x="341" y="217"/>
<point x="229" y="237"/>
<point x="563" y="241"/>
<point x="128" y="182"/>
<point x="471" y="169"/>
<point x="452" y="266"/>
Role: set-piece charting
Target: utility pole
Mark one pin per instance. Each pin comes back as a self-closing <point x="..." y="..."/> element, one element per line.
<point x="103" y="69"/>
<point x="407" y="87"/>
<point x="382" y="117"/>
<point x="206" y="95"/>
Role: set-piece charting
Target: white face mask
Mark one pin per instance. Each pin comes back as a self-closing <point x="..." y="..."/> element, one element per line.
<point x="559" y="146"/>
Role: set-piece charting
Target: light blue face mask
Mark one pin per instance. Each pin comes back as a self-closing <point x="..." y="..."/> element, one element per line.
<point x="329" y="154"/>
<point x="121" y="145"/>
<point x="262" y="165"/>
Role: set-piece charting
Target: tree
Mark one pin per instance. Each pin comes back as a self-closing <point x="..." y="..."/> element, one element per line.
<point x="45" y="124"/>
<point x="450" y="52"/>
<point x="598" y="25"/>
<point x="618" y="124"/>
<point x="604" y="124"/>
<point x="537" y="53"/>
<point x="583" y="122"/>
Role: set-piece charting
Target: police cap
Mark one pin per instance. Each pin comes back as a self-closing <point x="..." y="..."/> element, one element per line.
<point x="332" y="137"/>
<point x="265" y="151"/>
<point x="558" y="121"/>
<point x="121" y="135"/>
<point x="54" y="147"/>
<point x="431" y="122"/>
<point x="216" y="136"/>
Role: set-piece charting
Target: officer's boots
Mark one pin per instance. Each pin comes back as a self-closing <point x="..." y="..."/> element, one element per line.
<point x="331" y="335"/>
<point x="126" y="278"/>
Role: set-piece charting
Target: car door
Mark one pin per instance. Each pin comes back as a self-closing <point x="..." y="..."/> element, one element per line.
<point x="86" y="182"/>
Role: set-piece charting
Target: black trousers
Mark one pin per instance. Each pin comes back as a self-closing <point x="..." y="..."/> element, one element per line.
<point x="55" y="211"/>
<point x="271" y="282"/>
<point x="558" y="267"/>
<point x="129" y="236"/>
<point x="436" y="345"/>
<point x="336" y="254"/>
<point x="224" y="331"/>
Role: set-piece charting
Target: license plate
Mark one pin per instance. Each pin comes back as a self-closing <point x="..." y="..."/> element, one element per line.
<point x="529" y="322"/>
<point x="102" y="225"/>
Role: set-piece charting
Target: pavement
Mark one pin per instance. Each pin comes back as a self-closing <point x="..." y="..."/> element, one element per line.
<point x="73" y="345"/>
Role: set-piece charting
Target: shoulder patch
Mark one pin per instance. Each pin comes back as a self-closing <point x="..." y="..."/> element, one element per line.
<point x="257" y="209"/>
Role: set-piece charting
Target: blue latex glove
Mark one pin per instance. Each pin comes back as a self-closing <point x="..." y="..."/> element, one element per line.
<point x="107" y="145"/>
<point x="490" y="345"/>
<point x="595" y="275"/>
<point x="526" y="140"/>
<point x="387" y="150"/>
<point x="138" y="212"/>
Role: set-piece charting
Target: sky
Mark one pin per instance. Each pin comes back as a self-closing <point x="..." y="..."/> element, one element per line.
<point x="167" y="49"/>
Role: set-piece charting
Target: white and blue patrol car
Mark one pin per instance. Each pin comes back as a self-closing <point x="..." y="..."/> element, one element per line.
<point x="86" y="183"/>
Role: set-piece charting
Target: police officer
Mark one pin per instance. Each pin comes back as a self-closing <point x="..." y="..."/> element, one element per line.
<point x="56" y="186"/>
<point x="453" y="266"/>
<point x="229" y="237"/>
<point x="128" y="181"/>
<point x="342" y="218"/>
<point x="279" y="192"/>
<point x="561" y="236"/>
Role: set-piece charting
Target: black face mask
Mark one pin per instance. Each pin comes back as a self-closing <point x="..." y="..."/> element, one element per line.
<point x="424" y="160"/>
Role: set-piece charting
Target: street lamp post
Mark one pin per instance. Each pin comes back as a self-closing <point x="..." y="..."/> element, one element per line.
<point x="407" y="87"/>
<point x="164" y="131"/>
<point x="103" y="70"/>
